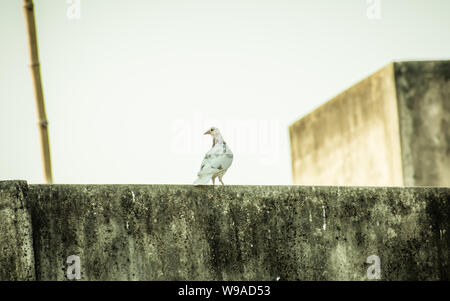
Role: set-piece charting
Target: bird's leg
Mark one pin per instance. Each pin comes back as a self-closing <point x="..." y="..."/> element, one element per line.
<point x="220" y="179"/>
<point x="213" y="179"/>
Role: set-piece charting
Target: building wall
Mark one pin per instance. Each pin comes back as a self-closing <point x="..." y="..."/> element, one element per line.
<point x="423" y="90"/>
<point x="351" y="140"/>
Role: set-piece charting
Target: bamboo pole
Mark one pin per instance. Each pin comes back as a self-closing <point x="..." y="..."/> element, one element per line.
<point x="28" y="8"/>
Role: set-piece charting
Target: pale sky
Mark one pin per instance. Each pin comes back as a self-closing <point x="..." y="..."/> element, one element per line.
<point x="131" y="86"/>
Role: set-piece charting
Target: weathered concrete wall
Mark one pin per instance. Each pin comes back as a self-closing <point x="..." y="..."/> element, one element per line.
<point x="16" y="247"/>
<point x="423" y="90"/>
<point x="178" y="232"/>
<point x="391" y="129"/>
<point x="352" y="139"/>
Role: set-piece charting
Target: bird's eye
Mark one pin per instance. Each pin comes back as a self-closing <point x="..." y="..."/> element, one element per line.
<point x="212" y="129"/>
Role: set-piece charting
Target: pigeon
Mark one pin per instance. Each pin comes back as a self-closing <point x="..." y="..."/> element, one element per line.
<point x="217" y="160"/>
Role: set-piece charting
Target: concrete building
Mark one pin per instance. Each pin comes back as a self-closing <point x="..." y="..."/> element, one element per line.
<point x="390" y="129"/>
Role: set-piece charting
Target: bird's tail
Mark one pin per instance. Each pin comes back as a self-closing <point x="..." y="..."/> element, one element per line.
<point x="202" y="180"/>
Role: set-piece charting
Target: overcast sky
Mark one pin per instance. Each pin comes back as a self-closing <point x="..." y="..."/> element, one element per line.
<point x="130" y="86"/>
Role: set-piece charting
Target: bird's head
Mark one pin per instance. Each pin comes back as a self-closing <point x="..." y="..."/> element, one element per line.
<point x="213" y="131"/>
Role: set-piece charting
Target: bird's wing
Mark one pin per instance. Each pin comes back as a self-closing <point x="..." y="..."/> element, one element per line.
<point x="214" y="163"/>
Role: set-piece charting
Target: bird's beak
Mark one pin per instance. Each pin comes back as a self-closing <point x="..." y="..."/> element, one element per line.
<point x="207" y="132"/>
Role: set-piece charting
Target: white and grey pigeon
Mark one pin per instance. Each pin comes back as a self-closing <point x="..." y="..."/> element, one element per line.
<point x="217" y="160"/>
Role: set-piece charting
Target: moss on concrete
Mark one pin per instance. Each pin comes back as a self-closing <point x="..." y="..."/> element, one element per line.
<point x="178" y="232"/>
<point x="423" y="92"/>
<point x="16" y="248"/>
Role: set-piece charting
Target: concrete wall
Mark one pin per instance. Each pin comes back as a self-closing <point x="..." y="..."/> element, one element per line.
<point x="391" y="129"/>
<point x="423" y="90"/>
<point x="16" y="247"/>
<point x="178" y="232"/>
<point x="352" y="139"/>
